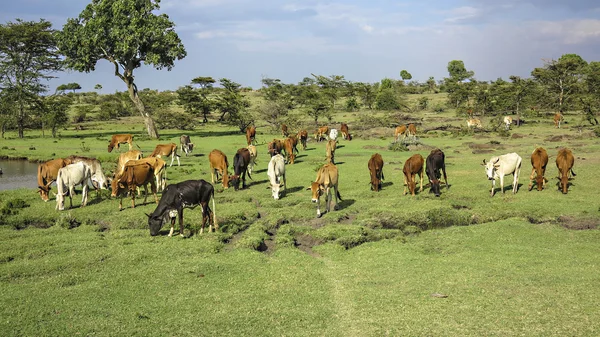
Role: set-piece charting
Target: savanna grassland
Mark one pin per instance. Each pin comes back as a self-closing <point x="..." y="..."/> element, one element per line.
<point x="384" y="264"/>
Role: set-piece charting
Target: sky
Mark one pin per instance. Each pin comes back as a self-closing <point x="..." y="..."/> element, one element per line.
<point x="364" y="41"/>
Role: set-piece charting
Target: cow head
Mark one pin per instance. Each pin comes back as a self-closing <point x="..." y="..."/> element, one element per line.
<point x="60" y="201"/>
<point x="317" y="191"/>
<point x="490" y="167"/>
<point x="564" y="182"/>
<point x="110" y="147"/>
<point x="435" y="187"/>
<point x="539" y="179"/>
<point x="43" y="191"/>
<point x="275" y="190"/>
<point x="375" y="182"/>
<point x="235" y="181"/>
<point x="116" y="187"/>
<point x="155" y="224"/>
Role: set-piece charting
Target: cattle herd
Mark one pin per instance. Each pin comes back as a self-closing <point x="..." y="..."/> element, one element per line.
<point x="134" y="172"/>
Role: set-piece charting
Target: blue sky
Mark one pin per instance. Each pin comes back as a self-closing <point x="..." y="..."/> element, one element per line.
<point x="362" y="40"/>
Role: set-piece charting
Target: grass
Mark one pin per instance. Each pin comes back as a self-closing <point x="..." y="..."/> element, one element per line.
<point x="508" y="264"/>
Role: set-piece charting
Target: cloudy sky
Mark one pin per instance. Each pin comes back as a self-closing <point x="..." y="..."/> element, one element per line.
<point x="362" y="40"/>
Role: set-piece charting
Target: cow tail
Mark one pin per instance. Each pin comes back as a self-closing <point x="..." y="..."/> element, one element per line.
<point x="338" y="194"/>
<point x="573" y="173"/>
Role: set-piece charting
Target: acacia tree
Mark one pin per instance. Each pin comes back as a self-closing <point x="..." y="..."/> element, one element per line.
<point x="205" y="104"/>
<point x="126" y="33"/>
<point x="231" y="102"/>
<point x="405" y="75"/>
<point x="54" y="112"/>
<point x="28" y="54"/>
<point x="561" y="78"/>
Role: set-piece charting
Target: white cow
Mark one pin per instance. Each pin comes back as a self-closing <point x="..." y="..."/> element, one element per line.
<point x="98" y="178"/>
<point x="507" y="122"/>
<point x="276" y="171"/>
<point x="333" y="134"/>
<point x="503" y="165"/>
<point x="253" y="155"/>
<point x="68" y="177"/>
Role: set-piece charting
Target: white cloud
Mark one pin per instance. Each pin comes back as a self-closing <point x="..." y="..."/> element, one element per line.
<point x="462" y="13"/>
<point x="568" y="31"/>
<point x="240" y="34"/>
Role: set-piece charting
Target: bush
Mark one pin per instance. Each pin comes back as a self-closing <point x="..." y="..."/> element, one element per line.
<point x="423" y="103"/>
<point x="398" y="147"/>
<point x="439" y="108"/>
<point x="386" y="100"/>
<point x="352" y="104"/>
<point x="597" y="131"/>
<point x="167" y="119"/>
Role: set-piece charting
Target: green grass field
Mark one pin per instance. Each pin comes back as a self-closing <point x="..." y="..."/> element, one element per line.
<point x="523" y="264"/>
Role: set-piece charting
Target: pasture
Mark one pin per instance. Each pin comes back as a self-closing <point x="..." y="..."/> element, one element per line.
<point x="522" y="264"/>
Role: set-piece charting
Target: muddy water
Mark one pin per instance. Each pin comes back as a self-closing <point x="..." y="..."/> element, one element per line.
<point x="17" y="174"/>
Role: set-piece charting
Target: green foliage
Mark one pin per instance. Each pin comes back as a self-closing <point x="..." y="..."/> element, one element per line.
<point x="423" y="103"/>
<point x="561" y="79"/>
<point x="397" y="147"/>
<point x="234" y="105"/>
<point x="458" y="72"/>
<point x="405" y="75"/>
<point x="54" y="112"/>
<point x="387" y="100"/>
<point x="167" y="118"/>
<point x="352" y="104"/>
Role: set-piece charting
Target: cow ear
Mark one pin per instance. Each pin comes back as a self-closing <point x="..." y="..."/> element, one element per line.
<point x="496" y="161"/>
<point x="483" y="164"/>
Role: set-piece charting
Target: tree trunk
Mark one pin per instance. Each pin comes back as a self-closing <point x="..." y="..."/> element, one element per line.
<point x="148" y="121"/>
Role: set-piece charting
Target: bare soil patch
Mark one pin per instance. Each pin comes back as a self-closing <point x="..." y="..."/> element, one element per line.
<point x="578" y="223"/>
<point x="306" y="242"/>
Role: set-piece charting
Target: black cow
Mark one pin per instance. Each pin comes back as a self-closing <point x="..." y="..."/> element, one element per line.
<point x="435" y="162"/>
<point x="241" y="160"/>
<point x="176" y="197"/>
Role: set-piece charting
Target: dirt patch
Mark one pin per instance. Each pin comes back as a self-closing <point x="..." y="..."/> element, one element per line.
<point x="347" y="219"/>
<point x="306" y="242"/>
<point x="578" y="223"/>
<point x="559" y="138"/>
<point x="517" y="136"/>
<point x="374" y="147"/>
<point x="480" y="136"/>
<point x="477" y="146"/>
<point x="482" y="151"/>
<point x="267" y="246"/>
<point x="421" y="147"/>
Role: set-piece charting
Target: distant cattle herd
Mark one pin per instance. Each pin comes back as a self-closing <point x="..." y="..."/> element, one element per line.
<point x="133" y="172"/>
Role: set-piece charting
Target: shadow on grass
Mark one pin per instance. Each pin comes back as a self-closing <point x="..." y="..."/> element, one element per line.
<point x="294" y="189"/>
<point x="387" y="184"/>
<point x="346" y="203"/>
<point x="260" y="171"/>
<point x="257" y="182"/>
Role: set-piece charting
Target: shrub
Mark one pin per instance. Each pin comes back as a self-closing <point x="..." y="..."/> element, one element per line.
<point x="423" y="103"/>
<point x="398" y="147"/>
<point x="439" y="108"/>
<point x="167" y="119"/>
<point x="597" y="131"/>
<point x="352" y="104"/>
<point x="386" y="100"/>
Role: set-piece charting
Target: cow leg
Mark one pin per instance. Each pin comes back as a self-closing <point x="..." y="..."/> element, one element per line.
<point x="531" y="176"/>
<point x="319" y="207"/>
<point x="335" y="193"/>
<point x="172" y="158"/>
<point x="493" y="186"/>
<point x="133" y="199"/>
<point x="445" y="178"/>
<point x="502" y="184"/>
<point x="421" y="185"/>
<point x="172" y="227"/>
<point x="84" y="195"/>
<point x="71" y="194"/>
<point x="121" y="203"/>
<point x="178" y="163"/>
<point x="405" y="185"/>
<point x="153" y="189"/>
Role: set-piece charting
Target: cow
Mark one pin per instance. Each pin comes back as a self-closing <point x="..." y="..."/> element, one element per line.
<point x="66" y="180"/>
<point x="253" y="155"/>
<point x="159" y="167"/>
<point x="564" y="163"/>
<point x="321" y="133"/>
<point x="186" y="144"/>
<point x="276" y="173"/>
<point x="303" y="136"/>
<point x="275" y="147"/>
<point x="288" y="146"/>
<point x="218" y="165"/>
<point x="539" y="160"/>
<point x="284" y="131"/>
<point x="124" y="158"/>
<point x="436" y="162"/>
<point x="330" y="151"/>
<point x="344" y="130"/>
<point x="498" y="167"/>
<point x="412" y="131"/>
<point x="46" y="175"/>
<point x="251" y="135"/>
<point x="327" y="179"/>
<point x="507" y="122"/>
<point x="412" y="167"/>
<point x="241" y="160"/>
<point x="117" y="140"/>
<point x="333" y="134"/>
<point x="400" y="130"/>
<point x="375" y="166"/>
<point x="558" y="118"/>
<point x="186" y="194"/>
<point x="99" y="180"/>
<point x="474" y="122"/>
<point x="134" y="175"/>
<point x="166" y="150"/>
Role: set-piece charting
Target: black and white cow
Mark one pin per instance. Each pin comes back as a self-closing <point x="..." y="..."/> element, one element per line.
<point x="186" y="144"/>
<point x="176" y="197"/>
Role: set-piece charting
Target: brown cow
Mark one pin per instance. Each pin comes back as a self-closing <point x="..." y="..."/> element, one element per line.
<point x="474" y="122"/>
<point x="327" y="178"/>
<point x="288" y="146"/>
<point x="558" y="118"/>
<point x="218" y="166"/>
<point x="284" y="131"/>
<point x="133" y="176"/>
<point x="564" y="162"/>
<point x="413" y="166"/>
<point x="124" y="158"/>
<point x="330" y="150"/>
<point x="158" y="166"/>
<point x="47" y="173"/>
<point x="322" y="133"/>
<point x="412" y="131"/>
<point x="344" y="130"/>
<point x="117" y="140"/>
<point x="375" y="166"/>
<point x="400" y="130"/>
<point x="250" y="135"/>
<point x="275" y="147"/>
<point x="303" y="136"/>
<point x="539" y="160"/>
<point x="166" y="150"/>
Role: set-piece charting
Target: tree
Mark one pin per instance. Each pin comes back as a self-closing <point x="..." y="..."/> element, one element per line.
<point x="405" y="75"/>
<point x="54" y="112"/>
<point x="367" y="93"/>
<point x="28" y="54"/>
<point x="98" y="87"/>
<point x="431" y="84"/>
<point x="205" y="105"/>
<point x="520" y="90"/>
<point x="330" y="86"/>
<point x="458" y="90"/>
<point x="232" y="103"/>
<point x="561" y="78"/>
<point x="126" y="33"/>
<point x="458" y="72"/>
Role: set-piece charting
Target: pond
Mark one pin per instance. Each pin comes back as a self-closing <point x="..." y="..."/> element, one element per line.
<point x="17" y="174"/>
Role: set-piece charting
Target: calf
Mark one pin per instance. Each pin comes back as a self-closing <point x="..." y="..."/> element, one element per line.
<point x="564" y="163"/>
<point x="241" y="160"/>
<point x="503" y="165"/>
<point x="474" y="122"/>
<point x="166" y="150"/>
<point x="117" y="140"/>
<point x="539" y="160"/>
<point x="507" y="122"/>
<point x="330" y="151"/>
<point x="284" y="131"/>
<point x="303" y="136"/>
<point x="133" y="176"/>
<point x="327" y="179"/>
<point x="375" y="166"/>
<point x="66" y="180"/>
<point x="186" y="144"/>
<point x="47" y="173"/>
<point x="251" y="135"/>
<point x="558" y="118"/>
<point x="275" y="172"/>
<point x="400" y="130"/>
<point x="412" y="131"/>
<point x="436" y="162"/>
<point x="321" y="133"/>
<point x="344" y="130"/>
<point x="186" y="194"/>
<point x="333" y="134"/>
<point x="218" y="165"/>
<point x="253" y="155"/>
<point x="412" y="167"/>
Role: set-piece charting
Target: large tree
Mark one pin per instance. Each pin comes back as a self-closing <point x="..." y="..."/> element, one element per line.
<point x="28" y="55"/>
<point x="127" y="33"/>
<point x="562" y="79"/>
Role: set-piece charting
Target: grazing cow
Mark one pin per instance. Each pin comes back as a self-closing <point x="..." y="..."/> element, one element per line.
<point x="327" y="178"/>
<point x="288" y="146"/>
<point x="284" y="131"/>
<point x="47" y="173"/>
<point x="412" y="131"/>
<point x="558" y="118"/>
<point x="564" y="163"/>
<point x="186" y="194"/>
<point x="400" y="130"/>
<point x="124" y="158"/>
<point x="474" y="122"/>
<point x="436" y="162"/>
<point x="412" y="167"/>
<point x="241" y="160"/>
<point x="66" y="180"/>
<point x="117" y="140"/>
<point x="275" y="147"/>
<point x="253" y="155"/>
<point x="218" y="166"/>
<point x="275" y="172"/>
<point x="375" y="166"/>
<point x="186" y="144"/>
<point x="133" y="176"/>
<point x="330" y="151"/>
<point x="158" y="166"/>
<point x="507" y="122"/>
<point x="321" y="133"/>
<point x="503" y="165"/>
<point x="166" y="150"/>
<point x="303" y="136"/>
<point x="99" y="180"/>
<point x="344" y="130"/>
<point x="251" y="135"/>
<point x="539" y="160"/>
<point x="333" y="134"/>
